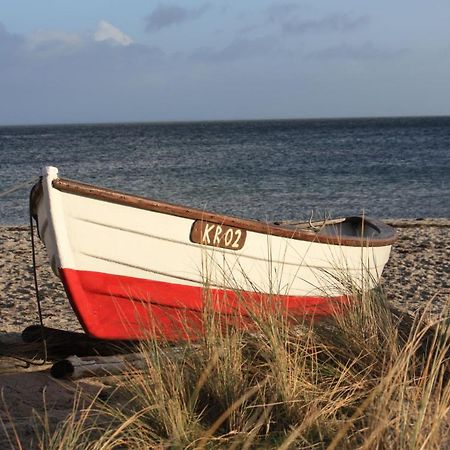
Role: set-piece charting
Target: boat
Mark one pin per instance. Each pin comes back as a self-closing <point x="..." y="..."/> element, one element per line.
<point x="134" y="267"/>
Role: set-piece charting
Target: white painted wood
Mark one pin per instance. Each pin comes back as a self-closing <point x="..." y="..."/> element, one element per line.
<point x="92" y="235"/>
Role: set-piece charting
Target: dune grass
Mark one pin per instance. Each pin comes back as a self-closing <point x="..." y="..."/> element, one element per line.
<point x="369" y="378"/>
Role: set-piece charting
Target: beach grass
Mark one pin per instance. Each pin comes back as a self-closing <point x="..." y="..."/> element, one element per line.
<point x="369" y="378"/>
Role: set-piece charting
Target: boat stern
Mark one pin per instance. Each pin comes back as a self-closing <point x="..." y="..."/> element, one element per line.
<point x="46" y="210"/>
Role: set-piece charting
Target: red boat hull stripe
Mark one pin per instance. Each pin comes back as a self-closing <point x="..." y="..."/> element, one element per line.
<point x="119" y="307"/>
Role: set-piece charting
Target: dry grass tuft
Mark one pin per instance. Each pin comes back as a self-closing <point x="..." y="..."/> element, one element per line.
<point x="369" y="378"/>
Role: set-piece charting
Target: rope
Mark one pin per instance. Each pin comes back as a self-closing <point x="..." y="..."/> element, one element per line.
<point x="19" y="186"/>
<point x="36" y="287"/>
<point x="29" y="362"/>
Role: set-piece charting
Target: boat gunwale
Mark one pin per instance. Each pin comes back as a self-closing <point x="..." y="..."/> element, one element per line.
<point x="386" y="234"/>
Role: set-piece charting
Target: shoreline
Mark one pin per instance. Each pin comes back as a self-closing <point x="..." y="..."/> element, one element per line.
<point x="421" y="222"/>
<point x="417" y="272"/>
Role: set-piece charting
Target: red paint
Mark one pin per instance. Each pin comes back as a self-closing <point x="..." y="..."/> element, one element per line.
<point x="119" y="307"/>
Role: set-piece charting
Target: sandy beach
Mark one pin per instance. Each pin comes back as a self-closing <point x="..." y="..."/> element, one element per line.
<point x="418" y="271"/>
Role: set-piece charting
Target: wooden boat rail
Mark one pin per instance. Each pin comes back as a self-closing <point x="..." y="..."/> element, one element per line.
<point x="385" y="234"/>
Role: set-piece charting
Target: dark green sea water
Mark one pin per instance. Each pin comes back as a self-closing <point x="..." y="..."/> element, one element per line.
<point x="393" y="167"/>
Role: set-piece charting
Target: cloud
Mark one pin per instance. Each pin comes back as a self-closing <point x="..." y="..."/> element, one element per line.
<point x="67" y="51"/>
<point x="107" y="32"/>
<point x="277" y="11"/>
<point x="329" y="23"/>
<point x="290" y="18"/>
<point x="51" y="75"/>
<point x="6" y="36"/>
<point x="356" y="52"/>
<point x="164" y="16"/>
<point x="51" y="42"/>
<point x="11" y="45"/>
<point x="273" y="14"/>
<point x="46" y="45"/>
<point x="106" y="42"/>
<point x="241" y="48"/>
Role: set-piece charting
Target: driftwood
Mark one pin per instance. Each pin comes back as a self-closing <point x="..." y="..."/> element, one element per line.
<point x="96" y="366"/>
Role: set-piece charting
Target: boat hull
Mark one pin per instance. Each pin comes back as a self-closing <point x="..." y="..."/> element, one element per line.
<point x="132" y="272"/>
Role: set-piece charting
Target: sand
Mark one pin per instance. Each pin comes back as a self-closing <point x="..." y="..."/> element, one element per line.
<point x="18" y="307"/>
<point x="418" y="273"/>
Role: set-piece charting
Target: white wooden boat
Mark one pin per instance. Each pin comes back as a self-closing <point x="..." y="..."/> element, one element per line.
<point x="134" y="267"/>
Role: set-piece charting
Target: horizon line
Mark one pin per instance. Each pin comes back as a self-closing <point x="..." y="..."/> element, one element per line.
<point x="187" y="121"/>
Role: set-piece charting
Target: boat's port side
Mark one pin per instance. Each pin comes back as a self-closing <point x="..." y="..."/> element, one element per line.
<point x="127" y="261"/>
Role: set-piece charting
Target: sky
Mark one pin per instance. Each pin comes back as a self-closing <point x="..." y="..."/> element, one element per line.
<point x="142" y="60"/>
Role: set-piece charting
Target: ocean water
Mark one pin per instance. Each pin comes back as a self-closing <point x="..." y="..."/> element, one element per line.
<point x="268" y="170"/>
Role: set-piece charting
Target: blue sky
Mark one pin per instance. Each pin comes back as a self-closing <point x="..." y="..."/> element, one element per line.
<point x="109" y="60"/>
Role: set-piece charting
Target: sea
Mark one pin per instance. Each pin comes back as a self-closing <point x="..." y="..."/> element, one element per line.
<point x="266" y="170"/>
